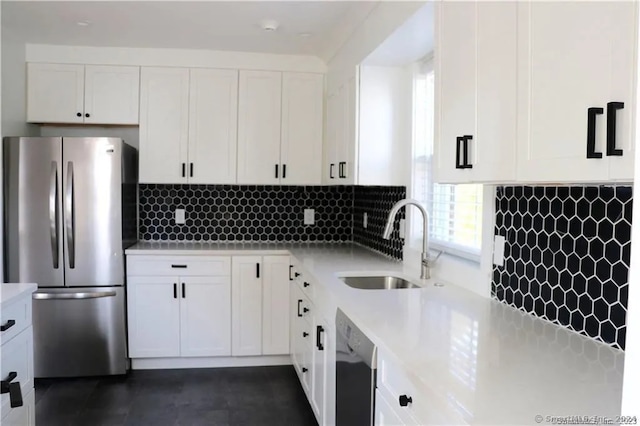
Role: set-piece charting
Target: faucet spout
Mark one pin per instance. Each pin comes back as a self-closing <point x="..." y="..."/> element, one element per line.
<point x="424" y="266"/>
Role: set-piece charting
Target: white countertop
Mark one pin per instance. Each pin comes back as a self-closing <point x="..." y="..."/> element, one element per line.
<point x="477" y="359"/>
<point x="12" y="291"/>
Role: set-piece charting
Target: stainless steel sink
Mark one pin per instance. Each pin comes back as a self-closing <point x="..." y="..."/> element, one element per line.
<point x="378" y="283"/>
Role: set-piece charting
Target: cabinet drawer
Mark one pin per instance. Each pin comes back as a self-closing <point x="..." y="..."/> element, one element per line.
<point x="18" y="314"/>
<point x="392" y="383"/>
<point x="17" y="356"/>
<point x="179" y="265"/>
<point x="22" y="416"/>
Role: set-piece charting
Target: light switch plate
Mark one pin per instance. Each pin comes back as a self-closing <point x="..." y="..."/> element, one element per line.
<point x="365" y="220"/>
<point x="180" y="217"/>
<point x="498" y="250"/>
<point x="309" y="216"/>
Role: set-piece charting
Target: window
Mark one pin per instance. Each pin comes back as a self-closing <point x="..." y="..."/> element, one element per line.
<point x="455" y="211"/>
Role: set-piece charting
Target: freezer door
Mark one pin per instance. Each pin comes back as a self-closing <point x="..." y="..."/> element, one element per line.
<point x="92" y="200"/>
<point x="79" y="332"/>
<point x="33" y="209"/>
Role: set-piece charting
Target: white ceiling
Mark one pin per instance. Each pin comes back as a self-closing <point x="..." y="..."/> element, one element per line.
<point x="212" y="25"/>
<point x="411" y="41"/>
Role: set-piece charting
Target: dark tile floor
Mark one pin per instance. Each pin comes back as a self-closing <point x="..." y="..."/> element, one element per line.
<point x="223" y="396"/>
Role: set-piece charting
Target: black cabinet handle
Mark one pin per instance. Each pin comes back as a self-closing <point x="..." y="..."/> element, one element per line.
<point x="284" y="171"/>
<point x="184" y="170"/>
<point x="306" y="284"/>
<point x="276" y="171"/>
<point x="184" y="293"/>
<point x="405" y="400"/>
<point x="290" y="269"/>
<point x="612" y="107"/>
<point x="341" y="166"/>
<point x="331" y="171"/>
<point x="465" y="152"/>
<point x="87" y="115"/>
<point x="305" y="310"/>
<point x="319" y="331"/>
<point x="305" y="334"/>
<point x="458" y="147"/>
<point x="179" y="266"/>
<point x="79" y="114"/>
<point x="305" y="369"/>
<point x="190" y="169"/>
<point x="13" y="389"/>
<point x="8" y="325"/>
<point x="297" y="274"/>
<point x="299" y="302"/>
<point x="257" y="270"/>
<point x="591" y="132"/>
<point x="175" y="290"/>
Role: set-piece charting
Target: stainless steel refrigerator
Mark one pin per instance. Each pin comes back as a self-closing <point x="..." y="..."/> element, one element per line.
<point x="70" y="211"/>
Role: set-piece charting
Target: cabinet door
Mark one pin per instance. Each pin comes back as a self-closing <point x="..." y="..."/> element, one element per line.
<point x="246" y="302"/>
<point x="111" y="94"/>
<point x="275" y="305"/>
<point x="322" y="347"/>
<point x="330" y="147"/>
<point x="164" y="108"/>
<point x="259" y="112"/>
<point x="348" y="142"/>
<point x="55" y="93"/>
<point x="153" y="316"/>
<point x="476" y="91"/>
<point x="301" y="146"/>
<point x="385" y="415"/>
<point x="572" y="56"/>
<point x="205" y="316"/>
<point x="328" y="341"/>
<point x="213" y="124"/>
<point x="296" y="328"/>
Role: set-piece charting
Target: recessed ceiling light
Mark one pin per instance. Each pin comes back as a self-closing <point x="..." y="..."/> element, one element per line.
<point x="269" y="24"/>
<point x="83" y="23"/>
<point x="305" y="35"/>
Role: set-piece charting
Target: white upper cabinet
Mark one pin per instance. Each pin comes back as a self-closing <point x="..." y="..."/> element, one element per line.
<point x="259" y="120"/>
<point x="164" y="125"/>
<point x="82" y="94"/>
<point x="576" y="65"/>
<point x="55" y="93"/>
<point x="301" y="146"/>
<point x="111" y="94"/>
<point x="213" y="126"/>
<point x="476" y="91"/>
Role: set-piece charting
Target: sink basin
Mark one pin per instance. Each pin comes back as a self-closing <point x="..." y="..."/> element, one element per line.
<point x="378" y="283"/>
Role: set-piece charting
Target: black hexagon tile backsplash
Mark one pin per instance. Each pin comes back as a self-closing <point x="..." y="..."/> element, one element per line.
<point x="265" y="213"/>
<point x="567" y="256"/>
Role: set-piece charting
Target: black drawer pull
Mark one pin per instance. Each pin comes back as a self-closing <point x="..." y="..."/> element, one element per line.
<point x="13" y="389"/>
<point x="405" y="400"/>
<point x="299" y="302"/>
<point x="276" y="171"/>
<point x="179" y="266"/>
<point x="305" y="310"/>
<point x="297" y="274"/>
<point x="257" y="270"/>
<point x="305" y="334"/>
<point x="183" y="170"/>
<point x="284" y="171"/>
<point x="612" y="107"/>
<point x="290" y="269"/>
<point x="190" y="169"/>
<point x="8" y="325"/>
<point x="306" y="284"/>
<point x="175" y="290"/>
<point x="591" y="132"/>
<point x="304" y="369"/>
<point x="331" y="171"/>
<point x="319" y="331"/>
<point x="184" y="293"/>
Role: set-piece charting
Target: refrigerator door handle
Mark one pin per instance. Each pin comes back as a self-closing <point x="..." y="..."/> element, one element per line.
<point x="53" y="213"/>
<point x="69" y="218"/>
<point x="77" y="295"/>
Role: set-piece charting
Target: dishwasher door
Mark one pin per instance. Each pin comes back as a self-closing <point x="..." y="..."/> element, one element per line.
<point x="355" y="375"/>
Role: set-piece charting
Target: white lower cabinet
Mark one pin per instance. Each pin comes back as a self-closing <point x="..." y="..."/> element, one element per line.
<point x="385" y="415"/>
<point x="313" y="349"/>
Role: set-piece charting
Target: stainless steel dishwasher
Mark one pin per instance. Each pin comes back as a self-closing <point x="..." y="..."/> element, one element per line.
<point x="356" y="359"/>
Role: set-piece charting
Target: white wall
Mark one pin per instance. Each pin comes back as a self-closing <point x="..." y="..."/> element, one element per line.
<point x="172" y="58"/>
<point x="381" y="22"/>
<point x="385" y="125"/>
<point x="14" y="85"/>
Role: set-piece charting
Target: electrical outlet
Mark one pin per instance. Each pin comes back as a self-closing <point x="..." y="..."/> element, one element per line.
<point x="309" y="216"/>
<point x="402" y="228"/>
<point x="365" y="220"/>
<point x="180" y="217"/>
<point x="498" y="250"/>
